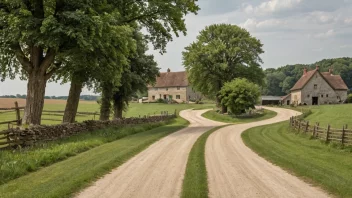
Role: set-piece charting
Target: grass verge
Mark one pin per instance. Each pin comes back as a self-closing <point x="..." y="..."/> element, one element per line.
<point x="213" y="115"/>
<point x="19" y="162"/>
<point x="64" y="178"/>
<point x="195" y="183"/>
<point x="314" y="161"/>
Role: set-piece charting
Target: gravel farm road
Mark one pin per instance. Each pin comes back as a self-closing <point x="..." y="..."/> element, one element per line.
<point x="233" y="169"/>
<point x="157" y="171"/>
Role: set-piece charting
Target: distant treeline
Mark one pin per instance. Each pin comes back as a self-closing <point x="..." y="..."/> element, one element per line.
<point x="279" y="81"/>
<point x="82" y="97"/>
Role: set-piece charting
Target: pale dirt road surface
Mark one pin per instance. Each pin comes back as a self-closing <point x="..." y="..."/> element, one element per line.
<point x="234" y="170"/>
<point x="157" y="171"/>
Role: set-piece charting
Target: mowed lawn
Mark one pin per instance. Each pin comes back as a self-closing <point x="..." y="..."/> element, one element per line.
<point x="213" y="115"/>
<point x="325" y="165"/>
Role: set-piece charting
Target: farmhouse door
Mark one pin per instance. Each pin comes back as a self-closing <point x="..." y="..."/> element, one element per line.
<point x="315" y="100"/>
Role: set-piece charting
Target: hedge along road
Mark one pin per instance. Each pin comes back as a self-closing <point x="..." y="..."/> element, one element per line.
<point x="159" y="170"/>
<point x="234" y="170"/>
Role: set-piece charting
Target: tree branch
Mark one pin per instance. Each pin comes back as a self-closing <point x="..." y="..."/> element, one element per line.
<point x="142" y="16"/>
<point x="21" y="57"/>
<point x="48" y="60"/>
<point x="52" y="71"/>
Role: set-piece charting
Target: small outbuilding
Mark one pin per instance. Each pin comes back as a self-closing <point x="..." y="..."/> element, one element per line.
<point x="271" y="100"/>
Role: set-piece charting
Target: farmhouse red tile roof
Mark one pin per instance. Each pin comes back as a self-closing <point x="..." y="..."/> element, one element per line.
<point x="335" y="81"/>
<point x="171" y="79"/>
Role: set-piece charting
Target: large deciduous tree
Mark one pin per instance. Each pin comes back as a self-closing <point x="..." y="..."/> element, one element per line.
<point x="141" y="72"/>
<point x="36" y="36"/>
<point x="160" y="19"/>
<point x="221" y="53"/>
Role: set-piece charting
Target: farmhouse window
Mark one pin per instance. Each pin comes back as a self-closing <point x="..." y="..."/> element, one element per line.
<point x="178" y="88"/>
<point x="315" y="86"/>
<point x="153" y="97"/>
<point x="167" y="89"/>
<point x="178" y="97"/>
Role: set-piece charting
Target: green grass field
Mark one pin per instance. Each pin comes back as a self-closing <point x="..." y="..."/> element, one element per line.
<point x="213" y="115"/>
<point x="325" y="165"/>
<point x="134" y="110"/>
<point x="64" y="178"/>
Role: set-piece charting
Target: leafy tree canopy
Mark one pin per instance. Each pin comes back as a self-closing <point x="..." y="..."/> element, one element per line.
<point x="239" y="95"/>
<point x="221" y="53"/>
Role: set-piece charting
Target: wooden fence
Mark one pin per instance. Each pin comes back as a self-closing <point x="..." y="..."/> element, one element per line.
<point x="328" y="134"/>
<point x="53" y="115"/>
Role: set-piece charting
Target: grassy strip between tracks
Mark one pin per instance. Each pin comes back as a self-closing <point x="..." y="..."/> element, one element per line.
<point x="195" y="183"/>
<point x="326" y="165"/>
<point x="64" y="178"/>
<point x="213" y="115"/>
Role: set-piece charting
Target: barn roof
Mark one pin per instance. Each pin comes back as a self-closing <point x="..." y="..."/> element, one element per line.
<point x="171" y="79"/>
<point x="335" y="81"/>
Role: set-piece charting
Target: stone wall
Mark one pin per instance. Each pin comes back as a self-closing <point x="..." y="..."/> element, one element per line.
<point x="31" y="135"/>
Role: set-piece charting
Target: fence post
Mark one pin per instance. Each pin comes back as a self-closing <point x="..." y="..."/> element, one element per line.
<point x="307" y="127"/>
<point x="315" y="126"/>
<point x="299" y="126"/>
<point x="327" y="133"/>
<point x="343" y="135"/>
<point x="18" y="115"/>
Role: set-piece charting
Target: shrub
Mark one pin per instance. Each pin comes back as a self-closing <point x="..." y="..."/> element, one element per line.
<point x="160" y="100"/>
<point x="349" y="98"/>
<point x="239" y="95"/>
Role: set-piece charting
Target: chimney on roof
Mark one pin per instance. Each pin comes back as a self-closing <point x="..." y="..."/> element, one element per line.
<point x="331" y="70"/>
<point x="318" y="67"/>
<point x="305" y="71"/>
<point x="168" y="70"/>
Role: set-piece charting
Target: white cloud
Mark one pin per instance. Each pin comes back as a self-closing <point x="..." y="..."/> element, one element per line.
<point x="322" y="17"/>
<point x="276" y="6"/>
<point x="325" y="35"/>
<point x="253" y="24"/>
<point x="348" y="20"/>
<point x="248" y="9"/>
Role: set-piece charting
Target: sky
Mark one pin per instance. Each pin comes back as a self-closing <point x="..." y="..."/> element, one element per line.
<point x="292" y="31"/>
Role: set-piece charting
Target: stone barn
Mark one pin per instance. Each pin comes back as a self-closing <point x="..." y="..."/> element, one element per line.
<point x="316" y="88"/>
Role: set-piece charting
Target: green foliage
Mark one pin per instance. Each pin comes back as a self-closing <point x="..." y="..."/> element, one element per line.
<point x="221" y="53"/>
<point x="239" y="95"/>
<point x="349" y="98"/>
<point x="279" y="81"/>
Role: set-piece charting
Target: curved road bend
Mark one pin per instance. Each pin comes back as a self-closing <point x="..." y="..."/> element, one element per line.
<point x="234" y="170"/>
<point x="157" y="171"/>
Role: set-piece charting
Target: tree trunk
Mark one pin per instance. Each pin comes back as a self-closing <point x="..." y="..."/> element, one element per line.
<point x="72" y="102"/>
<point x="223" y="109"/>
<point x="118" y="107"/>
<point x="106" y="101"/>
<point x="35" y="97"/>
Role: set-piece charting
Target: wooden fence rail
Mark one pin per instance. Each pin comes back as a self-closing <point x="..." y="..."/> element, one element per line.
<point x="328" y="134"/>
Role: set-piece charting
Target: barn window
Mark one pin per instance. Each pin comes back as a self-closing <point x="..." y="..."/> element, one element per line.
<point x="308" y="96"/>
<point x="322" y="95"/>
<point x="327" y="95"/>
<point x="178" y="97"/>
<point x="315" y="86"/>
